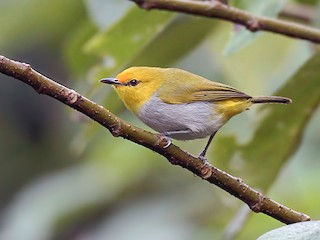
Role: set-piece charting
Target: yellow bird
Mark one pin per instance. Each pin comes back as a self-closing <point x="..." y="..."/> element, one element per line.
<point x="179" y="104"/>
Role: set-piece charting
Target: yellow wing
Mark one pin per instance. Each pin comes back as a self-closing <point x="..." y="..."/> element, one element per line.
<point x="197" y="89"/>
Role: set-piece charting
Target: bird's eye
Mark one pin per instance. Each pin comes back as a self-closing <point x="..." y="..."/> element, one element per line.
<point x="133" y="82"/>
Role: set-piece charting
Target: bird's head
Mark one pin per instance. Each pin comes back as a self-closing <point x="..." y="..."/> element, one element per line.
<point x="136" y="85"/>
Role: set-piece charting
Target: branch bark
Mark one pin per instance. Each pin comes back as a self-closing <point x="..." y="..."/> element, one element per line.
<point x="235" y="186"/>
<point x="216" y="9"/>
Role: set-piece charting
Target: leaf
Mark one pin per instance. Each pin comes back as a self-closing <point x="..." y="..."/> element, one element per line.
<point x="78" y="61"/>
<point x="311" y="2"/>
<point x="279" y="133"/>
<point x="179" y="38"/>
<point x="127" y="38"/>
<point x="106" y="13"/>
<point x="240" y="36"/>
<point x="29" y="23"/>
<point x="299" y="231"/>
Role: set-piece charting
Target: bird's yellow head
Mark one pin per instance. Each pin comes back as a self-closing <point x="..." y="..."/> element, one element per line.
<point x="136" y="85"/>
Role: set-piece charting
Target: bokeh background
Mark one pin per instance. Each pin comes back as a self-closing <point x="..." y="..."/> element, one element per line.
<point x="63" y="176"/>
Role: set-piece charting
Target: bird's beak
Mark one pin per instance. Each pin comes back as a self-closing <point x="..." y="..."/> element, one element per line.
<point x="112" y="81"/>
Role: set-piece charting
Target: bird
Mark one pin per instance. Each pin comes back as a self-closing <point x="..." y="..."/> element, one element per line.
<point x="181" y="105"/>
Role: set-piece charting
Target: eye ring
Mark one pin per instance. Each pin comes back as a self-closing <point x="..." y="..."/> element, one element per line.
<point x="133" y="82"/>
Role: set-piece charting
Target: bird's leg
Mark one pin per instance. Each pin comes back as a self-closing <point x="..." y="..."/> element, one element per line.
<point x="167" y="135"/>
<point x="204" y="151"/>
<point x="170" y="133"/>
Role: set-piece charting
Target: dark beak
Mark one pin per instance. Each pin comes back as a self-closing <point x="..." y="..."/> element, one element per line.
<point x="112" y="81"/>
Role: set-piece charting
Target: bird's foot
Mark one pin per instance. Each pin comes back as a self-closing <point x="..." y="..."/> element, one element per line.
<point x="203" y="159"/>
<point x="163" y="140"/>
<point x="206" y="169"/>
<point x="203" y="153"/>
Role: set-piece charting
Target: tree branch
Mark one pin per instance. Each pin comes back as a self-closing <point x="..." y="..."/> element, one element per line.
<point x="216" y="9"/>
<point x="235" y="186"/>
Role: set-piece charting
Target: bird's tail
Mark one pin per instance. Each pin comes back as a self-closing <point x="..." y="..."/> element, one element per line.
<point x="271" y="99"/>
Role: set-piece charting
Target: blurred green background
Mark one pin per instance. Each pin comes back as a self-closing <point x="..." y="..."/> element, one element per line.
<point x="63" y="176"/>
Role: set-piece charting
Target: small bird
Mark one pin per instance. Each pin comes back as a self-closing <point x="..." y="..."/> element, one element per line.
<point x="179" y="104"/>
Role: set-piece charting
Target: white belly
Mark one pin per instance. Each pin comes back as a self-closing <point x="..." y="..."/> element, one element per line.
<point x="199" y="117"/>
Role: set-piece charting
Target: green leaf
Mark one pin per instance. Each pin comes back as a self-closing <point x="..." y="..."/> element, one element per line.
<point x="79" y="62"/>
<point x="279" y="133"/>
<point x="299" y="231"/>
<point x="311" y="2"/>
<point x="124" y="40"/>
<point x="30" y="23"/>
<point x="106" y="13"/>
<point x="240" y="36"/>
<point x="179" y="38"/>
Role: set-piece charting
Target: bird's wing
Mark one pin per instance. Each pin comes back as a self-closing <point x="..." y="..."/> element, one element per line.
<point x="217" y="92"/>
<point x="203" y="90"/>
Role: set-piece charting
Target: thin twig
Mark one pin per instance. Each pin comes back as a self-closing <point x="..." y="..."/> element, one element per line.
<point x="216" y="9"/>
<point x="235" y="186"/>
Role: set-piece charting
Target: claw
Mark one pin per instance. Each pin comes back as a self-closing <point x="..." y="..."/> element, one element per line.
<point x="203" y="159"/>
<point x="168" y="142"/>
<point x="206" y="170"/>
<point x="164" y="140"/>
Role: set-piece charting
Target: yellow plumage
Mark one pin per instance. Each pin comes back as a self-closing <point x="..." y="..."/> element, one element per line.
<point x="134" y="98"/>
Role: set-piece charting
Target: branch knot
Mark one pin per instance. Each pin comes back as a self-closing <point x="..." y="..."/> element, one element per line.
<point x="253" y="25"/>
<point x="72" y="97"/>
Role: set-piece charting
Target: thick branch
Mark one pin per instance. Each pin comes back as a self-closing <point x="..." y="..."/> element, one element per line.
<point x="235" y="186"/>
<point x="216" y="9"/>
